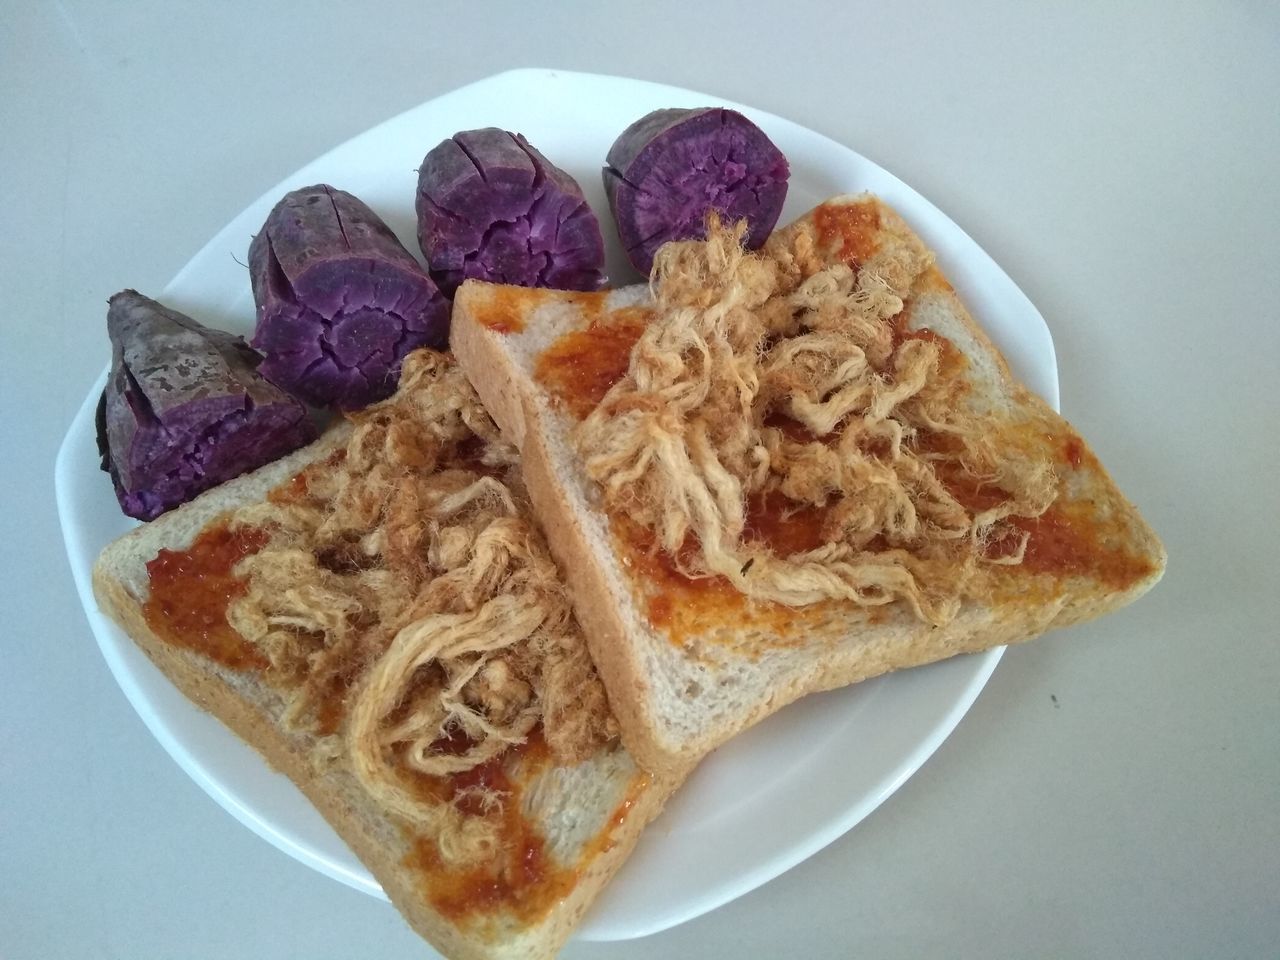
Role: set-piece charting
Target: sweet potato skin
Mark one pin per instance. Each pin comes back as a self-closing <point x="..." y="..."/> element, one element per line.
<point x="340" y="301"/>
<point x="491" y="207"/>
<point x="185" y="408"/>
<point x="669" y="168"/>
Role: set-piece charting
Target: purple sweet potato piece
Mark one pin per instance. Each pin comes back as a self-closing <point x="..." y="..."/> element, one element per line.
<point x="670" y="167"/>
<point x="185" y="409"/>
<point x="340" y="300"/>
<point x="492" y="207"/>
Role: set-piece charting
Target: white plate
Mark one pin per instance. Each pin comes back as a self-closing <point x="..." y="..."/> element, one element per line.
<point x="768" y="799"/>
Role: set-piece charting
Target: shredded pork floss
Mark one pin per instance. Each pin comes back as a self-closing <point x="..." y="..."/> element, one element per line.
<point x="410" y="586"/>
<point x="742" y="346"/>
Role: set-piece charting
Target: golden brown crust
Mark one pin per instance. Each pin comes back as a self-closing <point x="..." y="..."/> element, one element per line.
<point x="491" y="370"/>
<point x="598" y="612"/>
<point x="507" y="395"/>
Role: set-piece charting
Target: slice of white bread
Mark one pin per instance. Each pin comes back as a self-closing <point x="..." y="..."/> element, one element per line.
<point x="580" y="819"/>
<point x="680" y="692"/>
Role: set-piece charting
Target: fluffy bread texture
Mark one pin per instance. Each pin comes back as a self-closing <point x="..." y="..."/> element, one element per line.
<point x="677" y="697"/>
<point x="574" y="808"/>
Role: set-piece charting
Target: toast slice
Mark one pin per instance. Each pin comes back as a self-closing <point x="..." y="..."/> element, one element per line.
<point x="791" y="471"/>
<point x="378" y="616"/>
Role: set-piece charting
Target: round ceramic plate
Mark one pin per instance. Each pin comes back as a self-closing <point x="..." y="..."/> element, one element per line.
<point x="768" y="799"/>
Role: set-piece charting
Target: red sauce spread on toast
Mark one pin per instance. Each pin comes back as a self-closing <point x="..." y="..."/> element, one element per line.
<point x="1073" y="451"/>
<point x="685" y="606"/>
<point x="606" y="840"/>
<point x="852" y="228"/>
<point x="519" y="878"/>
<point x="331" y="705"/>
<point x="679" y="604"/>
<point x="505" y="308"/>
<point x="579" y="367"/>
<point x="523" y="879"/>
<point x="951" y="362"/>
<point x="782" y="525"/>
<point x="298" y="487"/>
<point x="191" y="589"/>
<point x="291" y="491"/>
<point x="1066" y="540"/>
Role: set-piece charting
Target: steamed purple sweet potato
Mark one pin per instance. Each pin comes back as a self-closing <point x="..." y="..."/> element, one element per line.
<point x="492" y="207"/>
<point x="185" y="409"/>
<point x="340" y="300"/>
<point x="670" y="167"/>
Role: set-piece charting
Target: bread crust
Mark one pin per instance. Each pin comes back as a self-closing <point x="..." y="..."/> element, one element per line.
<point x="251" y="710"/>
<point x="492" y="360"/>
<point x="509" y="397"/>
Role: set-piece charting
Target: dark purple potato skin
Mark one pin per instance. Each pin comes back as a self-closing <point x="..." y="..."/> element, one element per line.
<point x="670" y="167"/>
<point x="185" y="409"/>
<point x="340" y="300"/>
<point x="491" y="207"/>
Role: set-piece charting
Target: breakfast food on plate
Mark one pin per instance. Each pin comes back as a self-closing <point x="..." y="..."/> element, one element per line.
<point x="185" y="408"/>
<point x="492" y="207"/>
<point x="379" y="616"/>
<point x="788" y="471"/>
<point x="340" y="300"/>
<point x="790" y="462"/>
<point x="670" y="167"/>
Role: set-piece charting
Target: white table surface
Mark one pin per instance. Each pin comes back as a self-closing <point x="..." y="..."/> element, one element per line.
<point x="1116" y="789"/>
